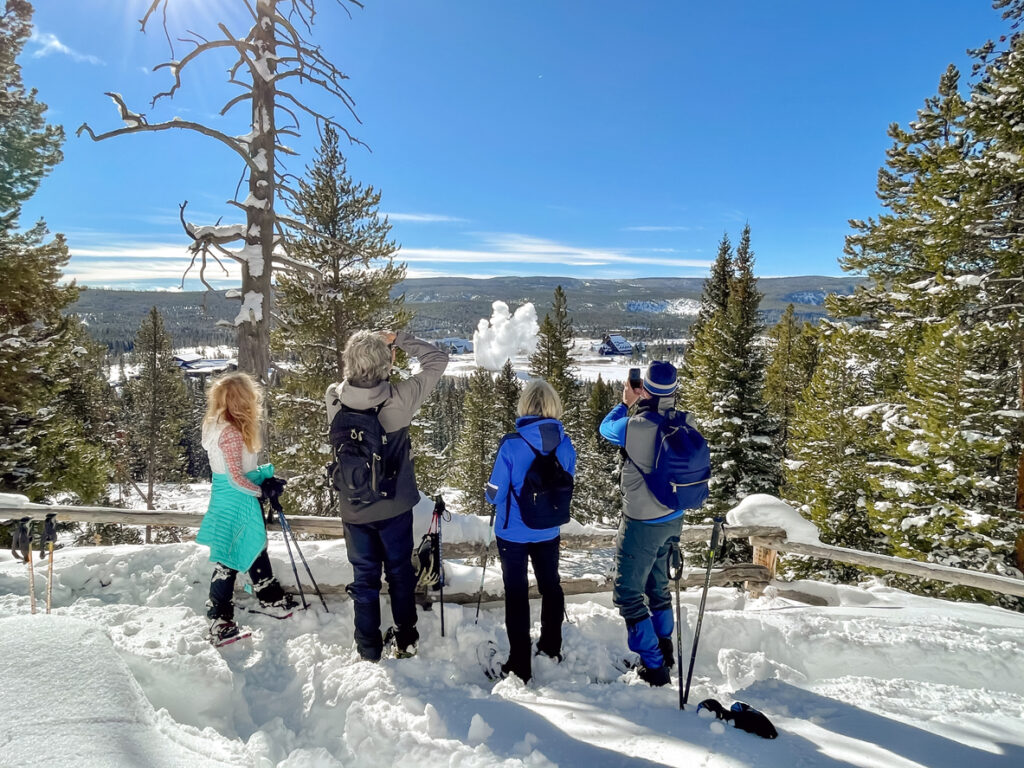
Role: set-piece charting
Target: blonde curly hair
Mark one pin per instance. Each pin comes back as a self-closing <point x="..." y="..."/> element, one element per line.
<point x="236" y="399"/>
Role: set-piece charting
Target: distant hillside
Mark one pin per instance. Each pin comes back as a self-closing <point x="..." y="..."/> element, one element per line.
<point x="452" y="306"/>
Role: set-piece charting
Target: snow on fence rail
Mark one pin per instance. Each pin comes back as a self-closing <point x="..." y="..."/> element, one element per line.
<point x="763" y="538"/>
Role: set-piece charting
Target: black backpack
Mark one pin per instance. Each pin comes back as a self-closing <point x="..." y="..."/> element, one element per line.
<point x="546" y="493"/>
<point x="359" y="444"/>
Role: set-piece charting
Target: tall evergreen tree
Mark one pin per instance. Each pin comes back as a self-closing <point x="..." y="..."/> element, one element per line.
<point x="477" y="443"/>
<point x="156" y="409"/>
<point x="317" y="317"/>
<point x="46" y="445"/>
<point x="701" y="359"/>
<point x="745" y="457"/>
<point x="552" y="360"/>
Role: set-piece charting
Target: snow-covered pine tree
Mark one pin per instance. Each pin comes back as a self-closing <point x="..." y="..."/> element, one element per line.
<point x="743" y="436"/>
<point x="995" y="199"/>
<point x="793" y="354"/>
<point x="952" y="501"/>
<point x="477" y="443"/>
<point x="701" y="358"/>
<point x="834" y="439"/>
<point x="552" y="360"/>
<point x="316" y="317"/>
<point x="272" y="58"/>
<point x="156" y="407"/>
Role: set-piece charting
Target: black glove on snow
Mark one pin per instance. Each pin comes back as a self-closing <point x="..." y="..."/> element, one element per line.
<point x="742" y="716"/>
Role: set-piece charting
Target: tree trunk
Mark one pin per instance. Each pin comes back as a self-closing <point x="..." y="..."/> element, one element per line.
<point x="254" y="331"/>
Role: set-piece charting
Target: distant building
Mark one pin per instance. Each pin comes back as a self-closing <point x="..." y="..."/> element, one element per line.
<point x="614" y="344"/>
<point x="192" y="364"/>
<point x="454" y="346"/>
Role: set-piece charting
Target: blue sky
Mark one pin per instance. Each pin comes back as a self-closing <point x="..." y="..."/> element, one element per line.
<point x="549" y="137"/>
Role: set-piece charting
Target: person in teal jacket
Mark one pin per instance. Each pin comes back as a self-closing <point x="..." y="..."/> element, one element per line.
<point x="233" y="526"/>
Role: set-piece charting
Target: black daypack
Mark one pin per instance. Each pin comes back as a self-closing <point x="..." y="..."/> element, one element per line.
<point x="546" y="493"/>
<point x="359" y="444"/>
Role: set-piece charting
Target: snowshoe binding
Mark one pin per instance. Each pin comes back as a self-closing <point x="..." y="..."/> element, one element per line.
<point x="224" y="632"/>
<point x="391" y="648"/>
<point x="282" y="608"/>
<point x="490" y="663"/>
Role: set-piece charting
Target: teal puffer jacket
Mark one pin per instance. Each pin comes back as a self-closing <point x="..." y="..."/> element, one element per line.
<point x="233" y="526"/>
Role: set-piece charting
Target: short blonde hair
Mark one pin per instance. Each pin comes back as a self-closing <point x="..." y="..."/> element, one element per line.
<point x="236" y="398"/>
<point x="367" y="359"/>
<point x="540" y="399"/>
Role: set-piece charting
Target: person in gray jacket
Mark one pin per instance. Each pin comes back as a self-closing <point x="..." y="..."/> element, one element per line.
<point x="649" y="530"/>
<point x="379" y="534"/>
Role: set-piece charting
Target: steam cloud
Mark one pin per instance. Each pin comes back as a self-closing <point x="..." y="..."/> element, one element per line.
<point x="505" y="335"/>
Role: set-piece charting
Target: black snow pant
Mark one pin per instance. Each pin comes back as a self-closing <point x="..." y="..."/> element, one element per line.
<point x="544" y="556"/>
<point x="222" y="587"/>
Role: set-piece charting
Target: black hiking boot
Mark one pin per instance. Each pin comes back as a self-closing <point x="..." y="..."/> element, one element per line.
<point x="657" y="676"/>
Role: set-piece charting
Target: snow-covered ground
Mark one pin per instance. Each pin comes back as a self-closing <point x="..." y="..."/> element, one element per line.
<point x="120" y="674"/>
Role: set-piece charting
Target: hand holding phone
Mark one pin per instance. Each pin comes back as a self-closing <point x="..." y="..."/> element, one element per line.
<point x="635" y="379"/>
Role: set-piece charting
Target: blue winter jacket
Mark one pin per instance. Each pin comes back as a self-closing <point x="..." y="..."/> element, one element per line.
<point x="510" y="467"/>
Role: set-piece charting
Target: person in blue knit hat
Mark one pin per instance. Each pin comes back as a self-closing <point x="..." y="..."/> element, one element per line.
<point x="648" y="530"/>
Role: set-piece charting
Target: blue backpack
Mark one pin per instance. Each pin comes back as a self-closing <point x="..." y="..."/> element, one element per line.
<point x="682" y="462"/>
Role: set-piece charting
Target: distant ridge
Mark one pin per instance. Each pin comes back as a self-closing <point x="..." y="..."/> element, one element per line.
<point x="647" y="307"/>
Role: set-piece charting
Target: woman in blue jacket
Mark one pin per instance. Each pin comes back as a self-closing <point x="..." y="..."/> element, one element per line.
<point x="538" y="431"/>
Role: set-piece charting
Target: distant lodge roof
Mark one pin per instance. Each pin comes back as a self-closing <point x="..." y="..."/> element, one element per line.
<point x="614" y="344"/>
<point x="454" y="345"/>
<point x="193" y="364"/>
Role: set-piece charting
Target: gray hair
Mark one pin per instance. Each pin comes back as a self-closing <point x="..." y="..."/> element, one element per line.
<point x="367" y="359"/>
<point x="540" y="399"/>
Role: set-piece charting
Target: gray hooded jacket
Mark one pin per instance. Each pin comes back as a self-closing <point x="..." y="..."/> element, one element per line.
<point x="401" y="402"/>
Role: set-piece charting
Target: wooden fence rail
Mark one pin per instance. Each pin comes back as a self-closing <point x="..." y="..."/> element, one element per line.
<point x="766" y="539"/>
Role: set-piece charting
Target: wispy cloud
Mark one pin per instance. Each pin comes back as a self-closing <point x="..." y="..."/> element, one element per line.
<point x="524" y="249"/>
<point x="46" y="44"/>
<point x="659" y="228"/>
<point x="425" y="218"/>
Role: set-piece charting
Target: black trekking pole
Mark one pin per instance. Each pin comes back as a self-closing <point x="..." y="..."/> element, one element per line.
<point x="440" y="513"/>
<point x="295" y="570"/>
<point x="49" y="538"/>
<point x="675" y="572"/>
<point x="718" y="532"/>
<point x="287" y="531"/>
<point x="483" y="572"/>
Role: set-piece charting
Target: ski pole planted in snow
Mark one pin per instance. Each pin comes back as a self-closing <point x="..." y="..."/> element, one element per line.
<point x="49" y="539"/>
<point x="717" y="537"/>
<point x="286" y="529"/>
<point x="440" y="513"/>
<point x="483" y="572"/>
<point x="675" y="572"/>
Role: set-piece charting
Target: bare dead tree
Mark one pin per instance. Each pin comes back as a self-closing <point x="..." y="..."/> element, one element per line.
<point x="273" y="58"/>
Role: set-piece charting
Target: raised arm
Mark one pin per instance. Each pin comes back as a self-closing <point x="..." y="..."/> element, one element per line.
<point x="433" y="361"/>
